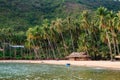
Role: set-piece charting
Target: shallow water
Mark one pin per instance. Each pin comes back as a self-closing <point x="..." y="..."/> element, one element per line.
<point x="18" y="71"/>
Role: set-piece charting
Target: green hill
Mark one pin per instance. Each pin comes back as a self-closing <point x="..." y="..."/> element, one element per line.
<point x="93" y="4"/>
<point x="21" y="14"/>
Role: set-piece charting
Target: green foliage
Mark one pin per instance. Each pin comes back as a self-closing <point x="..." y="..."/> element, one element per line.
<point x="21" y="14"/>
<point x="94" y="4"/>
<point x="53" y="29"/>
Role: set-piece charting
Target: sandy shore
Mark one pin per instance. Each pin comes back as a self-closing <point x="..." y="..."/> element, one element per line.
<point x="115" y="65"/>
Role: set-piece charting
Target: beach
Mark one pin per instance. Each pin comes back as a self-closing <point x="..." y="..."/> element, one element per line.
<point x="114" y="65"/>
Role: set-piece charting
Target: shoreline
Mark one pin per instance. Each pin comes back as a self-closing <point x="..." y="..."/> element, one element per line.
<point x="112" y="65"/>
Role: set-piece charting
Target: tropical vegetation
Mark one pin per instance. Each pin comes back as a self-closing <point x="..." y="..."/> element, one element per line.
<point x="95" y="32"/>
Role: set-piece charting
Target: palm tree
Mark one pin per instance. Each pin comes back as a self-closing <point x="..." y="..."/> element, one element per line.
<point x="117" y="27"/>
<point x="102" y="14"/>
<point x="85" y="24"/>
<point x="58" y="27"/>
<point x="54" y="37"/>
<point x="112" y="24"/>
<point x="3" y="40"/>
<point x="47" y="33"/>
<point x="31" y="36"/>
<point x="70" y="28"/>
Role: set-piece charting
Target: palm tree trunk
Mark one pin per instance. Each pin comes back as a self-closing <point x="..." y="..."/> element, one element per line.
<point x="64" y="44"/>
<point x="114" y="41"/>
<point x="38" y="51"/>
<point x="109" y="45"/>
<point x="51" y="48"/>
<point x="35" y="51"/>
<point x="117" y="45"/>
<point x="42" y="50"/>
<point x="114" y="45"/>
<point x="28" y="53"/>
<point x="57" y="49"/>
<point x="72" y="40"/>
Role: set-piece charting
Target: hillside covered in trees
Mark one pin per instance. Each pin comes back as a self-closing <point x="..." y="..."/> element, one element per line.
<point x="53" y="29"/>
<point x="22" y="14"/>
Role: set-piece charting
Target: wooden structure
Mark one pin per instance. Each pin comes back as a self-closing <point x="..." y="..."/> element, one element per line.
<point x="16" y="46"/>
<point x="78" y="56"/>
<point x="117" y="57"/>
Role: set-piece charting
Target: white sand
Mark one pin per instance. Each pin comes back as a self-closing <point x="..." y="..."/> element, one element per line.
<point x="100" y="64"/>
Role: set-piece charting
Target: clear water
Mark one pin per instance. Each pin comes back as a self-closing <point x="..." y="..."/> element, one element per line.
<point x="17" y="71"/>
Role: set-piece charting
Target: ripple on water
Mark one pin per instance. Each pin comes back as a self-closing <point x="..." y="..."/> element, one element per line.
<point x="15" y="71"/>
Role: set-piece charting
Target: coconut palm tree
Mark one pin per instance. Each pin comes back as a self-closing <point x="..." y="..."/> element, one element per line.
<point x="85" y="24"/>
<point x="54" y="37"/>
<point x="118" y="28"/>
<point x="59" y="28"/>
<point x="102" y="14"/>
<point x="111" y="25"/>
<point x="70" y="27"/>
<point x="47" y="33"/>
<point x="30" y="38"/>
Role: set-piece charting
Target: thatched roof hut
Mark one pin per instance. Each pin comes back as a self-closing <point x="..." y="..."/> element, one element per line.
<point x="78" y="56"/>
<point x="117" y="57"/>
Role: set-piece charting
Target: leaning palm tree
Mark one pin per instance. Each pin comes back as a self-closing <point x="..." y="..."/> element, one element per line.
<point x="70" y="27"/>
<point x="111" y="26"/>
<point x="85" y="24"/>
<point x="59" y="28"/>
<point x="30" y="38"/>
<point x="47" y="33"/>
<point x="4" y="37"/>
<point x="54" y="38"/>
<point x="102" y="14"/>
<point x="118" y="29"/>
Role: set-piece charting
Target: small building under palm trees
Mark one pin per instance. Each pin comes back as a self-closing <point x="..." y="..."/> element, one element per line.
<point x="78" y="56"/>
<point x="117" y="57"/>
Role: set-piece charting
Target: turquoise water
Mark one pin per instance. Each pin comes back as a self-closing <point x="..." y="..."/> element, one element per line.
<point x="18" y="71"/>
